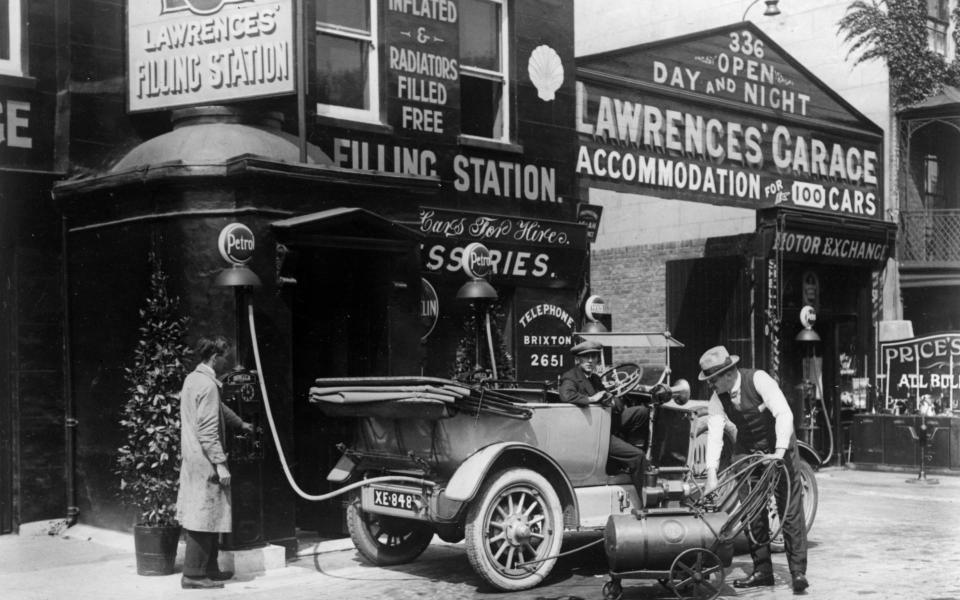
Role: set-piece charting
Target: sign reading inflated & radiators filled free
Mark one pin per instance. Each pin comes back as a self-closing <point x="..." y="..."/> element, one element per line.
<point x="186" y="52"/>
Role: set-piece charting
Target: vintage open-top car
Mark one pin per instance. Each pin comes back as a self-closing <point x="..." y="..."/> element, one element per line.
<point x="506" y="469"/>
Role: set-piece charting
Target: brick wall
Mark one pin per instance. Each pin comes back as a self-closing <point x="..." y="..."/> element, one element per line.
<point x="633" y="282"/>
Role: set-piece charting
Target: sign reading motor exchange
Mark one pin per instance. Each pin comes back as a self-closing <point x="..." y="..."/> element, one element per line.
<point x="725" y="117"/>
<point x="185" y="52"/>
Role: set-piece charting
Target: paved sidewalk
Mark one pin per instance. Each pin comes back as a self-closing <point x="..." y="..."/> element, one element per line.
<point x="875" y="537"/>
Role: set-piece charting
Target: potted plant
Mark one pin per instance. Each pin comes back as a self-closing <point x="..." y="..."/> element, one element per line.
<point x="148" y="462"/>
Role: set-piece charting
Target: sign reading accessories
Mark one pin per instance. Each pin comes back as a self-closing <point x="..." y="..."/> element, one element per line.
<point x="727" y="117"/>
<point x="184" y="52"/>
<point x="535" y="252"/>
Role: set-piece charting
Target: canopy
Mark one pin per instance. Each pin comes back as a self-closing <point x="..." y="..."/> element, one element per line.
<point x="627" y="339"/>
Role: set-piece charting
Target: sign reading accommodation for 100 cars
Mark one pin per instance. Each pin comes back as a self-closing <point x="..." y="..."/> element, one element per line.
<point x="185" y="52"/>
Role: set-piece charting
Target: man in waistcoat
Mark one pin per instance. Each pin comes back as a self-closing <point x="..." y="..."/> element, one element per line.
<point x="751" y="400"/>
<point x="582" y="386"/>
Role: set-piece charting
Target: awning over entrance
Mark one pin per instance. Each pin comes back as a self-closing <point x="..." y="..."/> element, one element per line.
<point x="804" y="235"/>
<point x="345" y="228"/>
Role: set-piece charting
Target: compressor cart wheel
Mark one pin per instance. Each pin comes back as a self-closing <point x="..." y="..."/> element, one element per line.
<point x="696" y="573"/>
<point x="612" y="590"/>
<point x="385" y="540"/>
<point x="516" y="518"/>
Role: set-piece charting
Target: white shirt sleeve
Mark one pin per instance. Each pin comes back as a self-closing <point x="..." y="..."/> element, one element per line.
<point x="777" y="404"/>
<point x="716" y="420"/>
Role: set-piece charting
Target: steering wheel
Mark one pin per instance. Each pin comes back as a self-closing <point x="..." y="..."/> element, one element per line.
<point x="622" y="378"/>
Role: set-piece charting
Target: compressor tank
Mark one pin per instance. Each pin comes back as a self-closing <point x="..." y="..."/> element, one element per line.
<point x="652" y="540"/>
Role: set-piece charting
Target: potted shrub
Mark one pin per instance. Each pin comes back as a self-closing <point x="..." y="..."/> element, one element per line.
<point x="148" y="462"/>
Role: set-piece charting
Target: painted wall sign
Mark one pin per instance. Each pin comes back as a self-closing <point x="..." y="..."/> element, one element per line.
<point x="727" y="117"/>
<point x="236" y="243"/>
<point x="26" y="130"/>
<point x="589" y="215"/>
<point x="926" y="365"/>
<point x="184" y="52"/>
<point x="422" y="65"/>
<point x="544" y="336"/>
<point x="534" y="251"/>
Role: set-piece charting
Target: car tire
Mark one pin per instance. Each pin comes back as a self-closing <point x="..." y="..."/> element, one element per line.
<point x="385" y="540"/>
<point x="515" y="518"/>
<point x="811" y="496"/>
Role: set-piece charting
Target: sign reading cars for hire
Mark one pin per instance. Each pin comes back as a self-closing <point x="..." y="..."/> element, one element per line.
<point x="534" y="252"/>
<point x="726" y="117"/>
<point x="185" y="52"/>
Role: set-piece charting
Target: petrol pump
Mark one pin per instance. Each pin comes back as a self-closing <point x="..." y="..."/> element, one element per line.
<point x="241" y="393"/>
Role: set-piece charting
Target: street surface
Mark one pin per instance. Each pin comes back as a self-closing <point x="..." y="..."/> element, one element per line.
<point x="875" y="537"/>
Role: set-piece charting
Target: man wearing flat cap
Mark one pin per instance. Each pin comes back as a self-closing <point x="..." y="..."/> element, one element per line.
<point x="582" y="386"/>
<point x="750" y="403"/>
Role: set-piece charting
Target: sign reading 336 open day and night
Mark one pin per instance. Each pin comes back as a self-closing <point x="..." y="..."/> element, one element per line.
<point x="725" y="117"/>
<point x="185" y="52"/>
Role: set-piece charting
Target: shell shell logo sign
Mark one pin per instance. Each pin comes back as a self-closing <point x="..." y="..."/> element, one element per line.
<point x="197" y="7"/>
<point x="236" y="244"/>
<point x="546" y="71"/>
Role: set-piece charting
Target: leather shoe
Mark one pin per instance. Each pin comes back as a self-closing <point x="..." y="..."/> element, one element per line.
<point x="220" y="575"/>
<point x="755" y="580"/>
<point x="201" y="583"/>
<point x="800" y="583"/>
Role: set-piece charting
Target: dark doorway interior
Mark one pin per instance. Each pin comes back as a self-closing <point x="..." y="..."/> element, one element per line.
<point x="340" y="329"/>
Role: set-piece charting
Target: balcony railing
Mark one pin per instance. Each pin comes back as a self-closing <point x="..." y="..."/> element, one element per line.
<point x="929" y="236"/>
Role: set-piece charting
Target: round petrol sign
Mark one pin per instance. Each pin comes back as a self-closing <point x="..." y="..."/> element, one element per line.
<point x="476" y="261"/>
<point x="236" y="243"/>
<point x="594" y="307"/>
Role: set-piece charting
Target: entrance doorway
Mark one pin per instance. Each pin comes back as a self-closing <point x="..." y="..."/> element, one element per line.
<point x="340" y="329"/>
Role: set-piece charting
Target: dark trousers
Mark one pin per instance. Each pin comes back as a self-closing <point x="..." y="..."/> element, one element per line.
<point x="794" y="526"/>
<point x="631" y="423"/>
<point x="200" y="556"/>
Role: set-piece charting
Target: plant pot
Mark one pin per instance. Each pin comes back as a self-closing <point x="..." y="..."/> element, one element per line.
<point x="156" y="549"/>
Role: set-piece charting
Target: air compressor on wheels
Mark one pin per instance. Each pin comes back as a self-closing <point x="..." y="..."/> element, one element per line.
<point x="684" y="538"/>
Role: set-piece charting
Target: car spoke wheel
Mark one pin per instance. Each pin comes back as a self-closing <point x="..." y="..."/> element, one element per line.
<point x="514" y="530"/>
<point x="385" y="540"/>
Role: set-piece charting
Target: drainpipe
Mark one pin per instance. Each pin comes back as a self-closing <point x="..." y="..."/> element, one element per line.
<point x="70" y="420"/>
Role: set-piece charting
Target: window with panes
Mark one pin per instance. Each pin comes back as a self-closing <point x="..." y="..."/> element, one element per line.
<point x="484" y="78"/>
<point x="346" y="52"/>
<point x="10" y="37"/>
<point x="938" y="20"/>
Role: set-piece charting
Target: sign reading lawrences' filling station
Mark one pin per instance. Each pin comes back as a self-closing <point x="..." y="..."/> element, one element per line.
<point x="725" y="117"/>
<point x="185" y="52"/>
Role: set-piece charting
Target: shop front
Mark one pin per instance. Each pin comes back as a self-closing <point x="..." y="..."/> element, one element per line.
<point x="751" y="198"/>
<point x="425" y="225"/>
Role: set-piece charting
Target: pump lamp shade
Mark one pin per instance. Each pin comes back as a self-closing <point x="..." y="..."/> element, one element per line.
<point x="477" y="289"/>
<point x="237" y="276"/>
<point x="808" y="335"/>
<point x="594" y="327"/>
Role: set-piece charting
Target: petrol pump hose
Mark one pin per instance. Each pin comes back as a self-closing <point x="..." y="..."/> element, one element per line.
<point x="744" y="490"/>
<point x="276" y="437"/>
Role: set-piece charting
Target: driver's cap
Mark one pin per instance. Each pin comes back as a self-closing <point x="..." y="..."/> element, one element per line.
<point x="587" y="347"/>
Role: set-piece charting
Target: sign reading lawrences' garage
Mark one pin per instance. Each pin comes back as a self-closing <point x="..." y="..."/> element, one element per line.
<point x="726" y="117"/>
<point x="184" y="52"/>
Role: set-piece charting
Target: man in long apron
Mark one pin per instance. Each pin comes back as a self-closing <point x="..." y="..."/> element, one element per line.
<point x="203" y="500"/>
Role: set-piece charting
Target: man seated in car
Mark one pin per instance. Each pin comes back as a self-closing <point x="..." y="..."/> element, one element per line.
<point x="581" y="386"/>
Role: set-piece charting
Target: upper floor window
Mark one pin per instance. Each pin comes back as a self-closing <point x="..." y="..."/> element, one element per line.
<point x="10" y="37"/>
<point x="347" y="69"/>
<point x="932" y="184"/>
<point x="484" y="78"/>
<point x="938" y="20"/>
